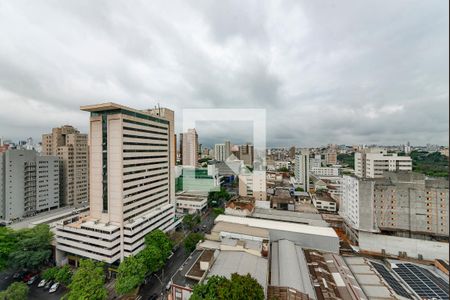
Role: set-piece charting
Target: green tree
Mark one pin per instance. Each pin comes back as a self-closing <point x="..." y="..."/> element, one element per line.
<point x="218" y="211"/>
<point x="50" y="274"/>
<point x="160" y="240"/>
<point x="130" y="275"/>
<point x="283" y="169"/>
<point x="210" y="289"/>
<point x="88" y="282"/>
<point x="64" y="275"/>
<point x="191" y="241"/>
<point x="33" y="248"/>
<point x="299" y="189"/>
<point x="8" y="244"/>
<point x="190" y="221"/>
<point x="237" y="288"/>
<point x="216" y="198"/>
<point x="16" y="291"/>
<point x="152" y="258"/>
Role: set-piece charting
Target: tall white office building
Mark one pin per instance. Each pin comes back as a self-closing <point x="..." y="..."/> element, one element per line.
<point x="301" y="170"/>
<point x="131" y="184"/>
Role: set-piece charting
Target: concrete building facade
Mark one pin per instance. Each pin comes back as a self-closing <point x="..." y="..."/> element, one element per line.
<point x="373" y="162"/>
<point x="29" y="183"/>
<point x="403" y="204"/>
<point x="71" y="147"/>
<point x="246" y="154"/>
<point x="301" y="170"/>
<point x="325" y="171"/>
<point x="131" y="188"/>
<point x="190" y="148"/>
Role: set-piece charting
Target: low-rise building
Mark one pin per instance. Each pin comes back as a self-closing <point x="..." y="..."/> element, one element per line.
<point x="325" y="171"/>
<point x="191" y="203"/>
<point x="240" y="206"/>
<point x="324" y="201"/>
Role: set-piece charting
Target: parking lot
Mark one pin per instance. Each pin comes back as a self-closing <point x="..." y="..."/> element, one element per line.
<point x="35" y="293"/>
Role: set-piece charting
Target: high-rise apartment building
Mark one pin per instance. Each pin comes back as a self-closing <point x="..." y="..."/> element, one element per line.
<point x="29" y="183"/>
<point x="372" y="162"/>
<point x="227" y="150"/>
<point x="301" y="170"/>
<point x="331" y="157"/>
<point x="219" y="152"/>
<point x="71" y="147"/>
<point x="190" y="148"/>
<point x="246" y="154"/>
<point x="403" y="204"/>
<point x="131" y="183"/>
<point x="316" y="161"/>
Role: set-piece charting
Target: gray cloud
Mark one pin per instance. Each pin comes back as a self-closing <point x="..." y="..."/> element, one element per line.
<point x="328" y="72"/>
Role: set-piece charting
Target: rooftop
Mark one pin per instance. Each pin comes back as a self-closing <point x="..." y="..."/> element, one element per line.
<point x="324" y="196"/>
<point x="278" y="225"/>
<point x="240" y="228"/>
<point x="289" y="268"/>
<point x="229" y="262"/>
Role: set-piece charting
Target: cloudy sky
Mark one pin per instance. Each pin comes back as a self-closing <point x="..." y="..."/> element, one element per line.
<point x="325" y="71"/>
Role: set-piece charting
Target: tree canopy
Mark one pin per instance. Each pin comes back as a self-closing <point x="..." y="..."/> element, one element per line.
<point x="190" y="221"/>
<point x="16" y="291"/>
<point x="239" y="287"/>
<point x="8" y="244"/>
<point x="215" y="198"/>
<point x="432" y="164"/>
<point x="33" y="248"/>
<point x="130" y="275"/>
<point x="88" y="282"/>
<point x="160" y="240"/>
<point x="152" y="258"/>
<point x="191" y="241"/>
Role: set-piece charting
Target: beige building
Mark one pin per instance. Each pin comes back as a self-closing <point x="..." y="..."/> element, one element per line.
<point x="246" y="154"/>
<point x="190" y="148"/>
<point x="71" y="147"/>
<point x="131" y="185"/>
<point x="371" y="163"/>
<point x="253" y="184"/>
<point x="331" y="157"/>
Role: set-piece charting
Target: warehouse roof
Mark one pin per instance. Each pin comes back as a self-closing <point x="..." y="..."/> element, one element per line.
<point x="277" y="225"/>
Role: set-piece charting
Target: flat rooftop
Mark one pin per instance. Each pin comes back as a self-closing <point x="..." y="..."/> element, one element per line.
<point x="48" y="217"/>
<point x="241" y="229"/>
<point x="322" y="196"/>
<point x="277" y="225"/>
<point x="229" y="262"/>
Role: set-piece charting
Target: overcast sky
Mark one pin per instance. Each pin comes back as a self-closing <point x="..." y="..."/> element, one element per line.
<point x="326" y="71"/>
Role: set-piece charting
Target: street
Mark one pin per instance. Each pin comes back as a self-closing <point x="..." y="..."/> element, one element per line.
<point x="153" y="285"/>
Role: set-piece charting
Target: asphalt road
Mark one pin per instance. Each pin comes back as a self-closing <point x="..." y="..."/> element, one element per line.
<point x="153" y="285"/>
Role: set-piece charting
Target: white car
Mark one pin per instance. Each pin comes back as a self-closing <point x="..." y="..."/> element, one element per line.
<point x="54" y="287"/>
<point x="42" y="283"/>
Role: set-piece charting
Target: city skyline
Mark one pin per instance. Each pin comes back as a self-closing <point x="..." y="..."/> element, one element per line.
<point x="354" y="73"/>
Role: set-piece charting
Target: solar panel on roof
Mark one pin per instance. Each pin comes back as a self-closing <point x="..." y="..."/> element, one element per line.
<point x="422" y="281"/>
<point x="390" y="279"/>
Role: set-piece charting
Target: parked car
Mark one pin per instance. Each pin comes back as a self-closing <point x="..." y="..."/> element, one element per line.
<point x="48" y="284"/>
<point x="32" y="280"/>
<point x="28" y="276"/>
<point x="19" y="274"/>
<point x="42" y="283"/>
<point x="54" y="287"/>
